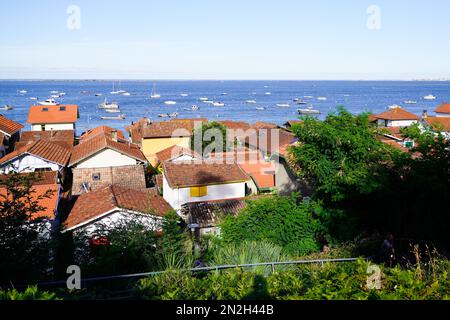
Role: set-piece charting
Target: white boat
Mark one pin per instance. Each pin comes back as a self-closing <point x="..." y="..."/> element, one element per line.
<point x="268" y="93"/>
<point x="224" y="94"/>
<point x="98" y="94"/>
<point x="300" y="101"/>
<point x="308" y="97"/>
<point x="250" y="101"/>
<point x="309" y="110"/>
<point x="429" y="97"/>
<point x="23" y="91"/>
<point x="54" y="92"/>
<point x="219" y="104"/>
<point x="6" y="107"/>
<point x="260" y="108"/>
<point x="163" y="115"/>
<point x="395" y="106"/>
<point x="119" y="117"/>
<point x="126" y="94"/>
<point x="170" y="103"/>
<point x="203" y="99"/>
<point x="109" y="106"/>
<point x="154" y="94"/>
<point x="33" y="98"/>
<point x="410" y="101"/>
<point x="114" y="91"/>
<point x="184" y="95"/>
<point x="322" y="98"/>
<point x="195" y="107"/>
<point x="283" y="105"/>
<point x="54" y="96"/>
<point x="173" y="115"/>
<point x="62" y="94"/>
<point x="208" y="102"/>
<point x="48" y="102"/>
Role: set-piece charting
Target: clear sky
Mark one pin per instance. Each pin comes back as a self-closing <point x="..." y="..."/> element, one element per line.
<point x="225" y="39"/>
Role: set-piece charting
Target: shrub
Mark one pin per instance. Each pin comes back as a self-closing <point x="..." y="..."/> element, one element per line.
<point x="30" y="293"/>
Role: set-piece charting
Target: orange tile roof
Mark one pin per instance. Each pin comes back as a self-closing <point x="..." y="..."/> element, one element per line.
<point x="54" y="114"/>
<point x="100" y="142"/>
<point x="443" y="108"/>
<point x="235" y="125"/>
<point x="136" y="129"/>
<point x="264" y="125"/>
<point x="263" y="173"/>
<point x="263" y="139"/>
<point x="9" y="126"/>
<point x="101" y="130"/>
<point x="202" y="173"/>
<point x="168" y="129"/>
<point x="397" y="114"/>
<point x="176" y="151"/>
<point x="49" y="151"/>
<point x="64" y="138"/>
<point x="50" y="203"/>
<point x="93" y="205"/>
<point x="42" y="178"/>
<point x="439" y="123"/>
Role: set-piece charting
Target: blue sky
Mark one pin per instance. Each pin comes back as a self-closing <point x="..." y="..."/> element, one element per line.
<point x="232" y="39"/>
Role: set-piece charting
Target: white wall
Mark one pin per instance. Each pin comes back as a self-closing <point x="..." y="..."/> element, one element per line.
<point x="397" y="123"/>
<point x="443" y="115"/>
<point x="120" y="216"/>
<point x="177" y="197"/>
<point x="27" y="163"/>
<point x="53" y="126"/>
<point x="107" y="158"/>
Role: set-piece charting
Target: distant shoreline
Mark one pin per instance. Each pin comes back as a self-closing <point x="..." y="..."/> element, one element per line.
<point x="221" y="80"/>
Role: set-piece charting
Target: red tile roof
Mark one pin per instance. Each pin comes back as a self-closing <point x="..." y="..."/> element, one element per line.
<point x="264" y="125"/>
<point x="49" y="194"/>
<point x="439" y="123"/>
<point x="443" y="108"/>
<point x="42" y="178"/>
<point x="100" y="142"/>
<point x="263" y="173"/>
<point x="136" y="129"/>
<point x="236" y="125"/>
<point x="64" y="138"/>
<point x="397" y="114"/>
<point x="168" y="129"/>
<point x="101" y="130"/>
<point x="202" y="173"/>
<point x="93" y="205"/>
<point x="9" y="126"/>
<point x="262" y="140"/>
<point x="49" y="151"/>
<point x="53" y="114"/>
<point x="176" y="151"/>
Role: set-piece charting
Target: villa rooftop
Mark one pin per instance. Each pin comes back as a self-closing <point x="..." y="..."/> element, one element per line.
<point x="53" y="114"/>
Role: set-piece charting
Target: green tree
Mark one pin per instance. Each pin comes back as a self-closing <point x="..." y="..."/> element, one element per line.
<point x="209" y="137"/>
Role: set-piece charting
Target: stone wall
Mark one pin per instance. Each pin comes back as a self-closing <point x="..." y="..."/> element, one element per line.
<point x="128" y="176"/>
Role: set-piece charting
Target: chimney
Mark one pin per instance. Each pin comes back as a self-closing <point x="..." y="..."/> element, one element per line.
<point x="425" y="114"/>
<point x="114" y="135"/>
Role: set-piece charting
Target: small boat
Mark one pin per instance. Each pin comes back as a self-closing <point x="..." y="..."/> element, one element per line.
<point x="300" y="101"/>
<point x="54" y="92"/>
<point x="173" y="115"/>
<point x="54" y="96"/>
<point x="260" y="108"/>
<point x="170" y="103"/>
<point x="109" y="106"/>
<point x="250" y="101"/>
<point x="163" y="115"/>
<point x="395" y="106"/>
<point x="283" y="105"/>
<point x="195" y="107"/>
<point x="410" y="101"/>
<point x="184" y="95"/>
<point x="429" y="97"/>
<point x="268" y="93"/>
<point x="309" y="110"/>
<point x="34" y="98"/>
<point x="98" y="94"/>
<point x="49" y="102"/>
<point x="112" y="110"/>
<point x="154" y="94"/>
<point x="322" y="98"/>
<point x="23" y="91"/>
<point x="114" y="91"/>
<point x="119" y="117"/>
<point x="208" y="102"/>
<point x="224" y="94"/>
<point x="308" y="97"/>
<point x="219" y="104"/>
<point x="6" y="107"/>
<point x="126" y="94"/>
<point x="62" y="94"/>
<point x="203" y="99"/>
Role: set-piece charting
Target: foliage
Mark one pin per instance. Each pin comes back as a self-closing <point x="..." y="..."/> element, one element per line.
<point x="24" y="250"/>
<point x="30" y="293"/>
<point x="344" y="281"/>
<point x="279" y="220"/>
<point x="209" y="137"/>
<point x="340" y="155"/>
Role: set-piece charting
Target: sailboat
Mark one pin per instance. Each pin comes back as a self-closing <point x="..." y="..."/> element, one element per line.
<point x="106" y="105"/>
<point x="154" y="95"/>
<point x="114" y="90"/>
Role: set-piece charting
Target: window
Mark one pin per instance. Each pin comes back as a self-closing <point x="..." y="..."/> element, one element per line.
<point x="62" y="108"/>
<point x="42" y="127"/>
<point x="43" y="169"/>
<point x="198" y="192"/>
<point x="96" y="177"/>
<point x="44" y="109"/>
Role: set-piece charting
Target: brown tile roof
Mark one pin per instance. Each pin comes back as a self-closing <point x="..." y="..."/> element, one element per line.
<point x="168" y="129"/>
<point x="262" y="140"/>
<point x="236" y="125"/>
<point x="264" y="125"/>
<point x="43" y="149"/>
<point x="93" y="205"/>
<point x="49" y="203"/>
<point x="262" y="173"/>
<point x="393" y="131"/>
<point x="101" y="130"/>
<point x="9" y="126"/>
<point x="136" y="129"/>
<point x="201" y="173"/>
<point x="439" y="123"/>
<point x="42" y="178"/>
<point x="64" y="138"/>
<point x="175" y="151"/>
<point x="53" y="114"/>
<point x="397" y="114"/>
<point x="100" y="142"/>
<point x="443" y="108"/>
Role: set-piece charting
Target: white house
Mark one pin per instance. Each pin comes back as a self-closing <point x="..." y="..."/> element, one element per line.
<point x="112" y="205"/>
<point x="39" y="156"/>
<point x="194" y="181"/>
<point x="397" y="117"/>
<point x="443" y="110"/>
<point x="47" y="118"/>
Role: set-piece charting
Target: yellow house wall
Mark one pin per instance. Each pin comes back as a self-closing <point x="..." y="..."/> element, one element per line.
<point x="151" y="147"/>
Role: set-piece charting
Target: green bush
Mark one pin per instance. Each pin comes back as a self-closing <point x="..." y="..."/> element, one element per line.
<point x="279" y="220"/>
<point x="31" y="293"/>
